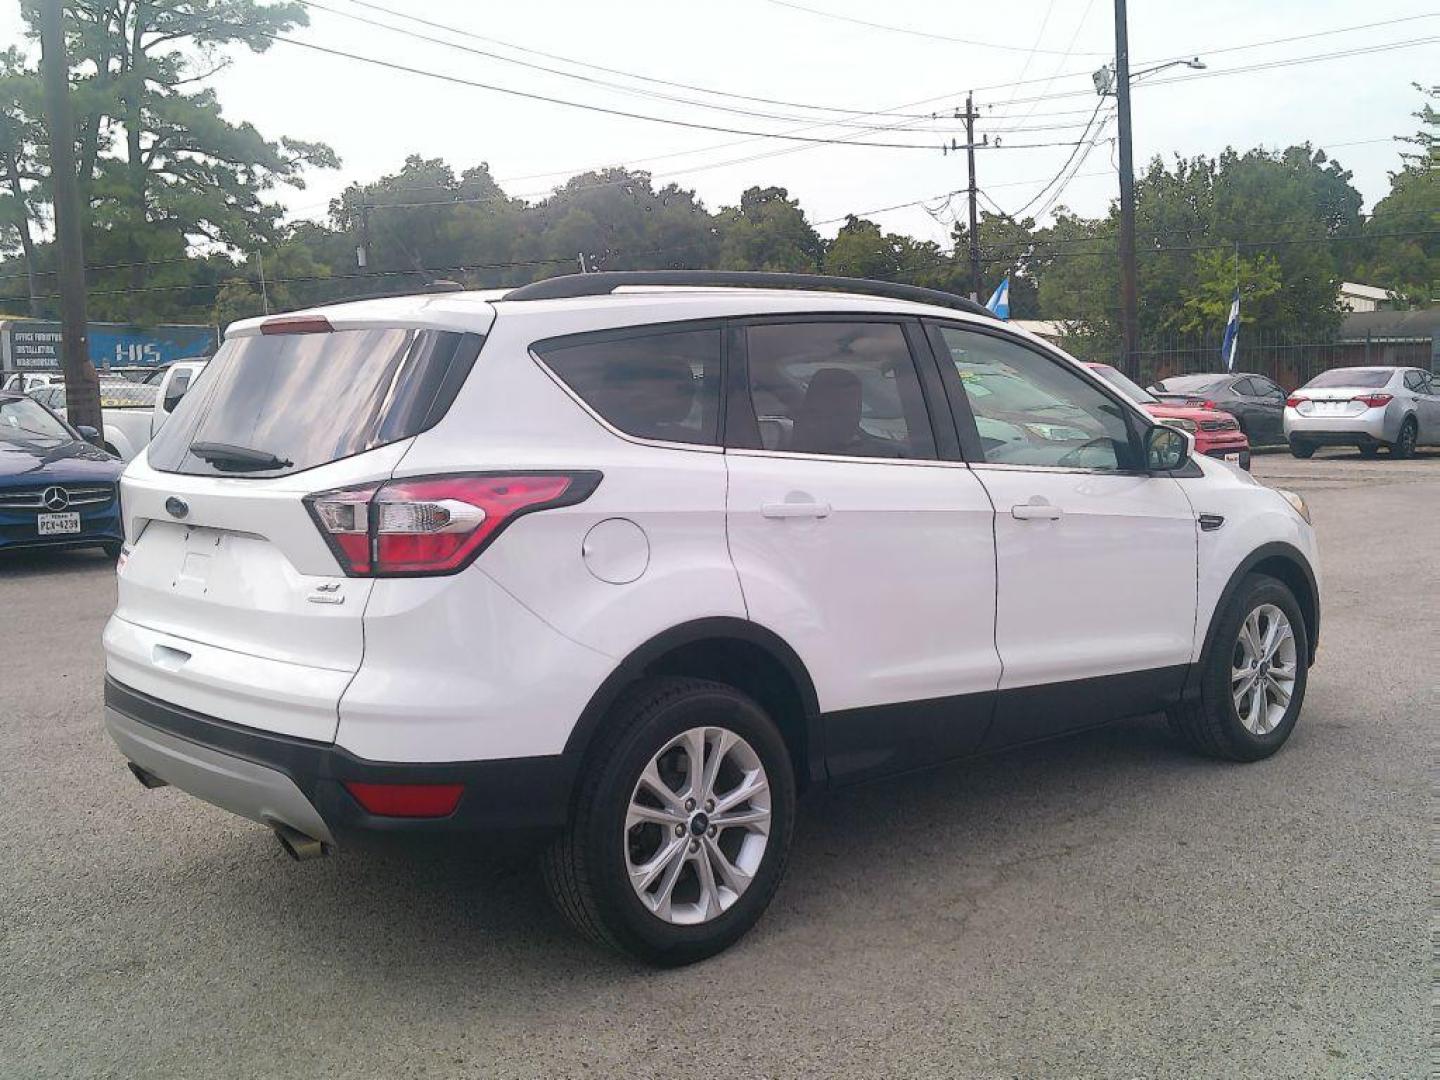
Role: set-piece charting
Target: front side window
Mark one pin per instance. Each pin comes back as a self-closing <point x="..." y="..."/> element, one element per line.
<point x="848" y="389"/>
<point x="1032" y="410"/>
<point x="659" y="385"/>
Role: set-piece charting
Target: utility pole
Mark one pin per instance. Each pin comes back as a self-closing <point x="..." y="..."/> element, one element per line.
<point x="362" y="250"/>
<point x="82" y="385"/>
<point x="1129" y="291"/>
<point x="264" y="295"/>
<point x="974" y="191"/>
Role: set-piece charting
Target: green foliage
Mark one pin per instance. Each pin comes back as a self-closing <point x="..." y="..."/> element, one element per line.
<point x="768" y="231"/>
<point x="1205" y="301"/>
<point x="1399" y="256"/>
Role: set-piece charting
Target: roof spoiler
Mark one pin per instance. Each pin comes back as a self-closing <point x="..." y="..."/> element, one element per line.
<point x="606" y="282"/>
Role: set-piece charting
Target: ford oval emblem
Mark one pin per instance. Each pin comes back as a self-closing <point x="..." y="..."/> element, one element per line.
<point x="177" y="507"/>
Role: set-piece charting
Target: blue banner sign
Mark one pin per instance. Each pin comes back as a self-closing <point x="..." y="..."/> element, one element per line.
<point x="34" y="345"/>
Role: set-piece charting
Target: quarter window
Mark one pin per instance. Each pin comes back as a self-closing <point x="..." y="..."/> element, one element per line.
<point x="662" y="385"/>
<point x="848" y="389"/>
<point x="1032" y="410"/>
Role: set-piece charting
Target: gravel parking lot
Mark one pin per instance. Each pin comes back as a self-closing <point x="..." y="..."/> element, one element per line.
<point x="1103" y="906"/>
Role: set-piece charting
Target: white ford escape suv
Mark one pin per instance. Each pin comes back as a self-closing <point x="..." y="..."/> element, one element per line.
<point x="637" y="557"/>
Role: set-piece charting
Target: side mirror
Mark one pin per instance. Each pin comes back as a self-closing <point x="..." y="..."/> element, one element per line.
<point x="1166" y="448"/>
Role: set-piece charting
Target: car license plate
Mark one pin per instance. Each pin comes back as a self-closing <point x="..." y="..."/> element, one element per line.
<point x="1234" y="458"/>
<point x="1330" y="408"/>
<point x="58" y="524"/>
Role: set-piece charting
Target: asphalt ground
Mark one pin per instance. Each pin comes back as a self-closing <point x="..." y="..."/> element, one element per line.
<point x="1103" y="906"/>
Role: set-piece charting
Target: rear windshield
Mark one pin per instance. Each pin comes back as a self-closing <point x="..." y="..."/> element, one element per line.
<point x="1192" y="384"/>
<point x="1366" y="377"/>
<point x="302" y="400"/>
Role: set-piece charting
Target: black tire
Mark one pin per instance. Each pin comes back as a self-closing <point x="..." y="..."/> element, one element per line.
<point x="1209" y="722"/>
<point x="585" y="869"/>
<point x="1404" y="445"/>
<point x="1301" y="449"/>
<point x="1369" y="450"/>
<point x="112" y="550"/>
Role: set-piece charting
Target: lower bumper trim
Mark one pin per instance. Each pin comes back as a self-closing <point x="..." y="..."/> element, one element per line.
<point x="301" y="783"/>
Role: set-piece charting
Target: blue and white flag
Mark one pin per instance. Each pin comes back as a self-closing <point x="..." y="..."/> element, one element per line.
<point x="999" y="301"/>
<point x="1232" y="333"/>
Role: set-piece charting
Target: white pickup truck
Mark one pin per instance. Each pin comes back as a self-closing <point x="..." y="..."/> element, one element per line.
<point x="133" y="412"/>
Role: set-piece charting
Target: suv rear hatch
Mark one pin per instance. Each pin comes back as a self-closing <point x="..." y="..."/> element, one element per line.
<point x="231" y="600"/>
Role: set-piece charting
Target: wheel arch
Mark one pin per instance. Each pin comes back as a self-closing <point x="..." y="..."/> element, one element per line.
<point x="725" y="649"/>
<point x="1286" y="563"/>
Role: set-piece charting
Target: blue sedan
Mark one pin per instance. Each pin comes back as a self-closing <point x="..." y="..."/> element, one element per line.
<point x="56" y="490"/>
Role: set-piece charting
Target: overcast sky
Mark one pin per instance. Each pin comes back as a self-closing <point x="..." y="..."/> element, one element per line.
<point x="769" y="49"/>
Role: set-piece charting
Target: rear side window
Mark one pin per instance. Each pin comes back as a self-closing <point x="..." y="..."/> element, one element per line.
<point x="301" y="400"/>
<point x="663" y="384"/>
<point x="848" y="389"/>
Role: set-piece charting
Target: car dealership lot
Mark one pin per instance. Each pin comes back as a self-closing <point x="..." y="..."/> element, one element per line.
<point x="1103" y="906"/>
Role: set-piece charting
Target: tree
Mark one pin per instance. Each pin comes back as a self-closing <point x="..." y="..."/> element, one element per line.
<point x="176" y="166"/>
<point x="768" y="231"/>
<point x="1205" y="301"/>
<point x="22" y="165"/>
<point x="1007" y="248"/>
<point x="1403" y="252"/>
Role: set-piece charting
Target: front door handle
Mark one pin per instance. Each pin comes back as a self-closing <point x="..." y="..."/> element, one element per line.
<point x="795" y="510"/>
<point x="1036" y="510"/>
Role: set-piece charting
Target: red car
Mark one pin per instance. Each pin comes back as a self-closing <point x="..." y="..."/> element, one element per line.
<point x="1217" y="434"/>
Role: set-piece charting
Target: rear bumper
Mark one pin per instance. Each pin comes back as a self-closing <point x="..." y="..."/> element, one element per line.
<point x="281" y="779"/>
<point x="1370" y="428"/>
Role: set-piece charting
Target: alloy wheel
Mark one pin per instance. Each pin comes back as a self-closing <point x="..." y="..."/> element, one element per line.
<point x="1263" y="669"/>
<point x="697" y="825"/>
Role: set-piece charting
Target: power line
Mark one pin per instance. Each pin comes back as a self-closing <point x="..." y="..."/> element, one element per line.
<point x="588" y="79"/>
<point x="911" y="32"/>
<point x="528" y="95"/>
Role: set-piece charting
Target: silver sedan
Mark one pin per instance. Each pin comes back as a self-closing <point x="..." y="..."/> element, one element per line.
<point x="1365" y="407"/>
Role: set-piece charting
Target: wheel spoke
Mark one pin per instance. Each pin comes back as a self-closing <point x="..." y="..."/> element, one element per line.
<point x="650" y="780"/>
<point x="1281" y="691"/>
<point x="709" y="890"/>
<point x="1255" y="719"/>
<point x="1240" y="674"/>
<point x="1250" y="636"/>
<point x="694" y="744"/>
<point x="640" y="814"/>
<point x="754" y="784"/>
<point x="737" y="818"/>
<point x="666" y="890"/>
<point x="1280" y="631"/>
<point x="724" y="740"/>
<point x="736" y="880"/>
<point x="644" y="875"/>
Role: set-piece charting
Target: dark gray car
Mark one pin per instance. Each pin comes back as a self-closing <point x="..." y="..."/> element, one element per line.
<point x="1256" y="402"/>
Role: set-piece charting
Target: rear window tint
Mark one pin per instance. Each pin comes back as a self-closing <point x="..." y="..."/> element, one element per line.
<point x="1361" y="377"/>
<point x="661" y="385"/>
<point x="310" y="399"/>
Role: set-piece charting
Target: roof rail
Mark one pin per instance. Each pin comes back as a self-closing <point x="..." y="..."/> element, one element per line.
<point x="607" y="281"/>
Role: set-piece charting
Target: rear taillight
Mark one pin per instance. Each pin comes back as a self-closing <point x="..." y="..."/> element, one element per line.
<point x="1293" y="401"/>
<point x="407" y="800"/>
<point x="434" y="524"/>
<point x="1374" y="401"/>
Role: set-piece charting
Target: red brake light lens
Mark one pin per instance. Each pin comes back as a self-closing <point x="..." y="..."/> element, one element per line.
<point x="407" y="800"/>
<point x="434" y="524"/>
<point x="1374" y="401"/>
<point x="1294" y="400"/>
<point x="297" y="324"/>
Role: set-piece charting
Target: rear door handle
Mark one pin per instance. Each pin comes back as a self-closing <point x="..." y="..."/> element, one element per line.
<point x="1036" y="511"/>
<point x="795" y="510"/>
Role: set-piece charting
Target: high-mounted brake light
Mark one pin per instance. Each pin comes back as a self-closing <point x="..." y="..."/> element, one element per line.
<point x="434" y="524"/>
<point x="1374" y="401"/>
<point x="300" y="324"/>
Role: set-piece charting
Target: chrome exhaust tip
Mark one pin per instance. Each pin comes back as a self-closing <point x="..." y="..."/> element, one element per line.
<point x="297" y="845"/>
<point x="147" y="779"/>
